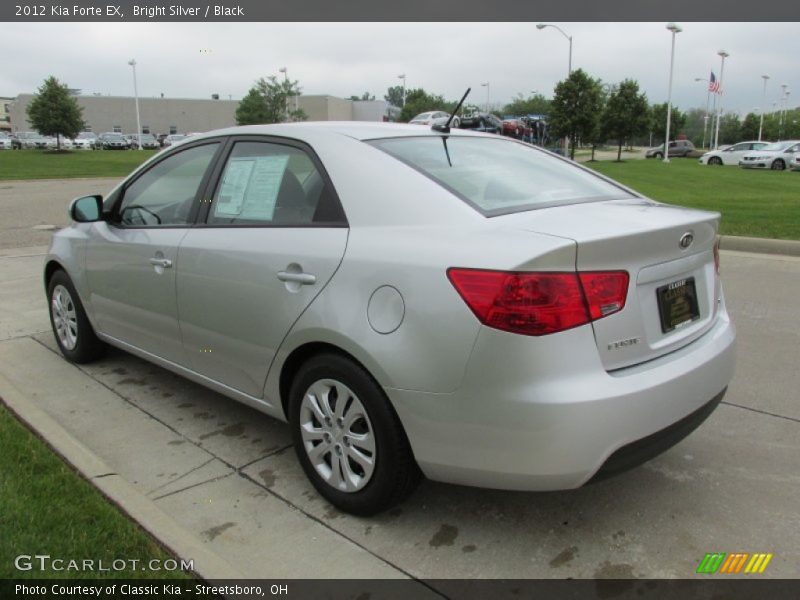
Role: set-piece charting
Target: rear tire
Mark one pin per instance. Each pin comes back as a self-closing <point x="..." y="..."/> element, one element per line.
<point x="73" y="332"/>
<point x="348" y="438"/>
<point x="778" y="165"/>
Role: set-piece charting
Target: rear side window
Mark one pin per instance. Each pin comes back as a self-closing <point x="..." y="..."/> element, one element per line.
<point x="497" y="176"/>
<point x="264" y="183"/>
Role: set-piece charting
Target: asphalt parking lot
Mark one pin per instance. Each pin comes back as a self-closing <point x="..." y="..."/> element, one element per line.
<point x="228" y="475"/>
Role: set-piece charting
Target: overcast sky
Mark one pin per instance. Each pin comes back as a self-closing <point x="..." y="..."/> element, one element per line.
<point x="195" y="60"/>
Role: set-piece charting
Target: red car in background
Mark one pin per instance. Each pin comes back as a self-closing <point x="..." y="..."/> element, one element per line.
<point x="516" y="128"/>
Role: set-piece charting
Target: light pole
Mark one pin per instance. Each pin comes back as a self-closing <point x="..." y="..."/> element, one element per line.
<point x="722" y="55"/>
<point x="132" y="63"/>
<point x="486" y="85"/>
<point x="675" y="29"/>
<point x="569" y="38"/>
<point x="708" y="101"/>
<point x="403" y="77"/>
<point x="763" y="106"/>
<point x="782" y="109"/>
<point x="286" y="87"/>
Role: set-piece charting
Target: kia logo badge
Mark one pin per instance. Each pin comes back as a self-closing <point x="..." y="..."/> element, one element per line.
<point x="686" y="240"/>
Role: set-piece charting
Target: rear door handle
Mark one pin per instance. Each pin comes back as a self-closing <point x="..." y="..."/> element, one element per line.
<point x="164" y="263"/>
<point x="301" y="278"/>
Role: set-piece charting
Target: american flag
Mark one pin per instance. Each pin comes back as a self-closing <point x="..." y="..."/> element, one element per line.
<point x="713" y="84"/>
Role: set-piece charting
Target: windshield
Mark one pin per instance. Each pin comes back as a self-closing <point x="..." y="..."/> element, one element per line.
<point x="114" y="137"/>
<point x="422" y="116"/>
<point x="498" y="176"/>
<point x="777" y="146"/>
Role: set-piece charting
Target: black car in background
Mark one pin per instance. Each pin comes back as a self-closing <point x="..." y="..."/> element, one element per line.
<point x="481" y="121"/>
<point x="112" y="141"/>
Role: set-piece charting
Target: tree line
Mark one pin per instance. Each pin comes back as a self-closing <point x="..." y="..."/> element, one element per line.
<point x="583" y="109"/>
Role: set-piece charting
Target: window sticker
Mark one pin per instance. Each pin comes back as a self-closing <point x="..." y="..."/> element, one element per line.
<point x="250" y="187"/>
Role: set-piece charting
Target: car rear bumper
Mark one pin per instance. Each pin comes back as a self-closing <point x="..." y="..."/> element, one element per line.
<point x="534" y="416"/>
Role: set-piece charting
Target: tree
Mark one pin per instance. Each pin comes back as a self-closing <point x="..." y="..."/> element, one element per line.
<point x="270" y="101"/>
<point x="696" y="125"/>
<point x="749" y="128"/>
<point x="54" y="112"/>
<point x="658" y="122"/>
<point x="535" y="104"/>
<point x="364" y="96"/>
<point x="730" y="129"/>
<point x="626" y="114"/>
<point x="394" y="96"/>
<point x="575" y="108"/>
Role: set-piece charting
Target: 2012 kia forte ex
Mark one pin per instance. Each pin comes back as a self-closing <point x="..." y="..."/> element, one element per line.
<point x="411" y="300"/>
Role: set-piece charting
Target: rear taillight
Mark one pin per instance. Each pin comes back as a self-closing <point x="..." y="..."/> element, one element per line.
<point x="539" y="303"/>
<point x="605" y="292"/>
<point x="716" y="255"/>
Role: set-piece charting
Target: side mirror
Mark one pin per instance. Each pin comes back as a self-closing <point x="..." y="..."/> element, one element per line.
<point x="86" y="209"/>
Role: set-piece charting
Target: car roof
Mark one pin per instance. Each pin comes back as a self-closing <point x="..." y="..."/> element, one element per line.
<point x="359" y="130"/>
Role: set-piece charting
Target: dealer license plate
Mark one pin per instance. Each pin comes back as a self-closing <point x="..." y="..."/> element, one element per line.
<point x="677" y="304"/>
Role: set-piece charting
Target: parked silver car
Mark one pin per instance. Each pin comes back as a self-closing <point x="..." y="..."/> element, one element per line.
<point x="460" y="305"/>
<point x="435" y="117"/>
<point x="677" y="148"/>
<point x="777" y="156"/>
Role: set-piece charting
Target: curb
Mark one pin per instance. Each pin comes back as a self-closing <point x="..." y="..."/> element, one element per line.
<point x="760" y="245"/>
<point x="183" y="544"/>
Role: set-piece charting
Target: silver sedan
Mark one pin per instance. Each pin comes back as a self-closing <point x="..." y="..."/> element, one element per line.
<point x="413" y="302"/>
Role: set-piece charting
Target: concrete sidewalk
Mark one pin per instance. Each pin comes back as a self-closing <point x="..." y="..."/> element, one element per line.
<point x="224" y="477"/>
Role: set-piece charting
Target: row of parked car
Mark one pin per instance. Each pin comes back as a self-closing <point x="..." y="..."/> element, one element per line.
<point x="87" y="141"/>
<point x="753" y="154"/>
<point x="531" y="129"/>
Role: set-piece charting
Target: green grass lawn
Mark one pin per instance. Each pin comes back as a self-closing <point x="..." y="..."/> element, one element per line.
<point x="752" y="203"/>
<point x="41" y="164"/>
<point x="47" y="508"/>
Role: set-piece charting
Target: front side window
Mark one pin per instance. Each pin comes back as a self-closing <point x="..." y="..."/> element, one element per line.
<point x="498" y="176"/>
<point x="271" y="184"/>
<point x="164" y="195"/>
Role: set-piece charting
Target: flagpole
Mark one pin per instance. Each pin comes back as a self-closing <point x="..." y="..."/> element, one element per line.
<point x="724" y="55"/>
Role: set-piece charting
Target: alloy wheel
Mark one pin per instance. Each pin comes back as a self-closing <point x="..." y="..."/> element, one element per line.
<point x="65" y="317"/>
<point x="337" y="435"/>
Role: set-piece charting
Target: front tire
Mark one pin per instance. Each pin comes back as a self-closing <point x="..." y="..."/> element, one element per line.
<point x="348" y="438"/>
<point x="73" y="332"/>
<point x="778" y="165"/>
<point x="658" y="155"/>
<point x="715" y="160"/>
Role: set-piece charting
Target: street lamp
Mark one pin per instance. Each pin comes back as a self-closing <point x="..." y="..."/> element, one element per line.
<point x="782" y="109"/>
<point x="763" y="102"/>
<point x="708" y="100"/>
<point x="675" y="29"/>
<point x="286" y="80"/>
<point x="403" y="77"/>
<point x="486" y="85"/>
<point x="723" y="55"/>
<point x="132" y="63"/>
<point x="569" y="38"/>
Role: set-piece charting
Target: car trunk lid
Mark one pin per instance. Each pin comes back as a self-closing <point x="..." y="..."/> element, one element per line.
<point x="668" y="252"/>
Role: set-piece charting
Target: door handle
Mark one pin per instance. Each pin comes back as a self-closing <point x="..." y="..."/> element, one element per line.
<point x="301" y="278"/>
<point x="164" y="263"/>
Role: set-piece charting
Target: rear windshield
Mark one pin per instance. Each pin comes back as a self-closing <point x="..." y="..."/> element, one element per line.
<point x="498" y="176"/>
